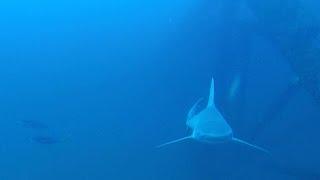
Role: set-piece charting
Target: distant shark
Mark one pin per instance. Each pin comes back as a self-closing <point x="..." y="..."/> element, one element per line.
<point x="209" y="126"/>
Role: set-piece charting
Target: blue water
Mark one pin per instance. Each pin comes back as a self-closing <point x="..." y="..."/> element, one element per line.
<point x="89" y="88"/>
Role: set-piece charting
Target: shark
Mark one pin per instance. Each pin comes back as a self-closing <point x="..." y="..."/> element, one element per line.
<point x="209" y="125"/>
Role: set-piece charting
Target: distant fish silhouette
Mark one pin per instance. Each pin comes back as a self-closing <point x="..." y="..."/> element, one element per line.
<point x="209" y="125"/>
<point x="32" y="124"/>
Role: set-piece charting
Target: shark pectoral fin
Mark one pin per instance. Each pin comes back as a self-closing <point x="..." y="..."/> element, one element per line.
<point x="251" y="145"/>
<point x="174" y="141"/>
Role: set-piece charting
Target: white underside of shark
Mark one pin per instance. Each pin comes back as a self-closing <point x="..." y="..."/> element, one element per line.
<point x="209" y="126"/>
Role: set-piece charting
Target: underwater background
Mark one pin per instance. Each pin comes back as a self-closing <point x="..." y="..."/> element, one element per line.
<point x="88" y="89"/>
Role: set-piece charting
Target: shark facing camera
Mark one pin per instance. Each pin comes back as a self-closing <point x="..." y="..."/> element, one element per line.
<point x="209" y="126"/>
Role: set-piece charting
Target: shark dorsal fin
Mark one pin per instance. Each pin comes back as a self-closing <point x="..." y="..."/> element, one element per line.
<point x="211" y="96"/>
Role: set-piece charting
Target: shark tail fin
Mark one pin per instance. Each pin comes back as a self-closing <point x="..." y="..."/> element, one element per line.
<point x="174" y="141"/>
<point x="211" y="95"/>
<point x="251" y="145"/>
